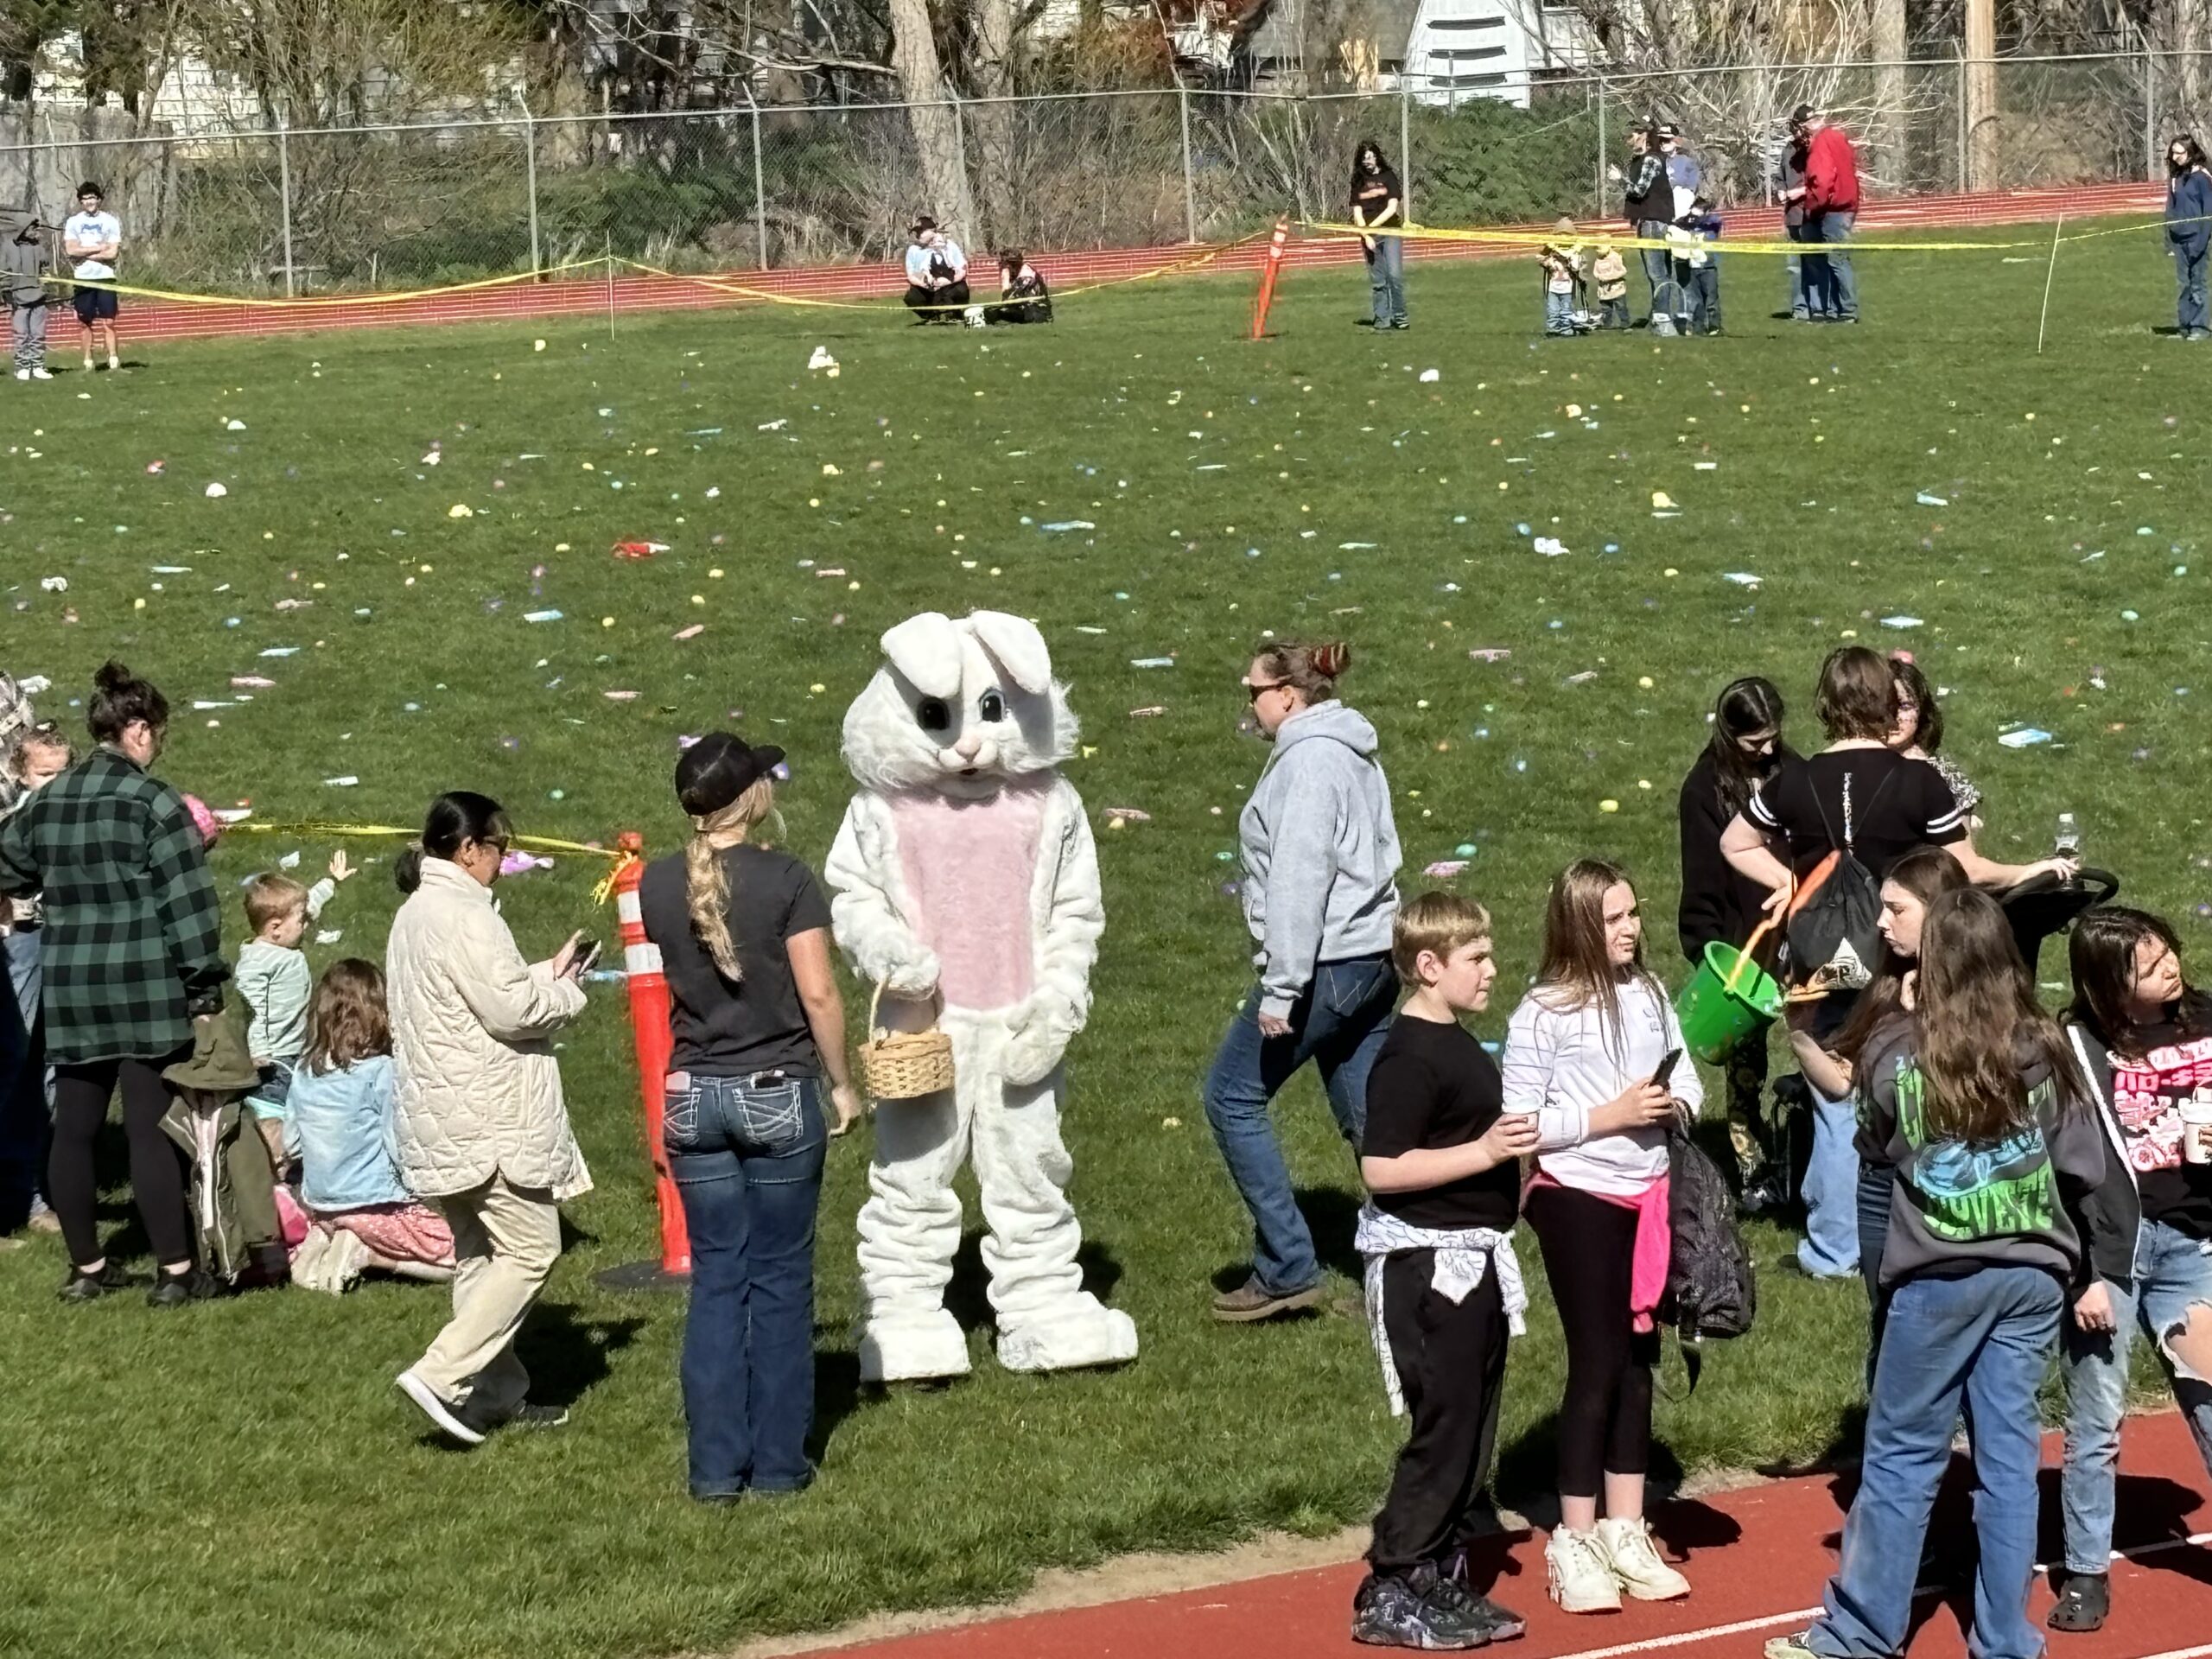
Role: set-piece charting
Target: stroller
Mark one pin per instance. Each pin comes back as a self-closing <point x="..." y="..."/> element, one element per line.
<point x="2043" y="906"/>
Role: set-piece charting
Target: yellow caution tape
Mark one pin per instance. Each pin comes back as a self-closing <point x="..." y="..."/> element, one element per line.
<point x="314" y="829"/>
<point x="1585" y="238"/>
<point x="317" y="301"/>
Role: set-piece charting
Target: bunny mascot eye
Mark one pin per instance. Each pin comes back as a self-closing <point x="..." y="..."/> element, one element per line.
<point x="967" y="887"/>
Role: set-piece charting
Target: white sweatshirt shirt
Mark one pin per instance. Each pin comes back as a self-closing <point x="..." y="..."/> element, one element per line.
<point x="1560" y="1064"/>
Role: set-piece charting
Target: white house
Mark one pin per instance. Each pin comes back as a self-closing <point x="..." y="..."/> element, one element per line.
<point x="1441" y="51"/>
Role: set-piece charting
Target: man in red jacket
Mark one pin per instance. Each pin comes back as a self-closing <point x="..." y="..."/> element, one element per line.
<point x="1831" y="203"/>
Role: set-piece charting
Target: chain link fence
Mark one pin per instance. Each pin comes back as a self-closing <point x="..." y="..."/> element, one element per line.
<point x="774" y="186"/>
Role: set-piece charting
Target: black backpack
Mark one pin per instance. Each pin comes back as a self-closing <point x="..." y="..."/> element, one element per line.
<point x="1836" y="930"/>
<point x="1711" y="1289"/>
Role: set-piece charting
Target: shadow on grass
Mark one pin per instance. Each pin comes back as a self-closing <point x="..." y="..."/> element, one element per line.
<point x="567" y="1355"/>
<point x="968" y="1298"/>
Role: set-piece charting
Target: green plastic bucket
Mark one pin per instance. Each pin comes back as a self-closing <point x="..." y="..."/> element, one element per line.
<point x="1715" y="1016"/>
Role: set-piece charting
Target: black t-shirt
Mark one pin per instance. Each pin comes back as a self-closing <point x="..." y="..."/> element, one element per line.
<point x="759" y="1024"/>
<point x="1895" y="804"/>
<point x="1434" y="1086"/>
<point x="2146" y="1097"/>
<point x="1375" y="192"/>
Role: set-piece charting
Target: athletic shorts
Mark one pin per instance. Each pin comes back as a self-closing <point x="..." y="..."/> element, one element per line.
<point x="94" y="303"/>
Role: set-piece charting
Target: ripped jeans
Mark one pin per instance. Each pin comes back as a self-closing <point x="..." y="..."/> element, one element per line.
<point x="2173" y="1273"/>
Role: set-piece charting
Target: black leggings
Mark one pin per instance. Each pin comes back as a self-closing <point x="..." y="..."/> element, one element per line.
<point x="81" y="1097"/>
<point x="1604" y="1421"/>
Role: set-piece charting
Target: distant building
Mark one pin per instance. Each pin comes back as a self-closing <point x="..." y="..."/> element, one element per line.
<point x="1441" y="51"/>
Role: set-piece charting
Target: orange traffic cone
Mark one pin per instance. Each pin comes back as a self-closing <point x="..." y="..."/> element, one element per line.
<point x="649" y="1029"/>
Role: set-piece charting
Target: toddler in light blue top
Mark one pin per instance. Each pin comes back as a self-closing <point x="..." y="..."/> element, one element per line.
<point x="272" y="977"/>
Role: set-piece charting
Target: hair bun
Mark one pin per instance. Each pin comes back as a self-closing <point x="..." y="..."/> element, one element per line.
<point x="1330" y="659"/>
<point x="111" y="675"/>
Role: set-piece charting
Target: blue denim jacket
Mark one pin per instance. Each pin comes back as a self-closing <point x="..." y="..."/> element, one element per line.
<point x="338" y="1125"/>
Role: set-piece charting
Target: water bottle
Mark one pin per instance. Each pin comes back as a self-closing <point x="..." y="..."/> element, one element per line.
<point x="2067" y="843"/>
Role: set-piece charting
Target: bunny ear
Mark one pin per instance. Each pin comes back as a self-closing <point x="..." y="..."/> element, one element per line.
<point x="1020" y="649"/>
<point x="927" y="649"/>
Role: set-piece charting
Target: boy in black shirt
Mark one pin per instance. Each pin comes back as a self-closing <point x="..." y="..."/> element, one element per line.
<point x="1442" y="1168"/>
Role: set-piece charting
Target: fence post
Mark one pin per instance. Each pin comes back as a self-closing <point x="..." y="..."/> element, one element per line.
<point x="529" y="181"/>
<point x="1966" y="182"/>
<point x="973" y="232"/>
<point x="284" y="194"/>
<point x="760" y="179"/>
<point x="1601" y="147"/>
<point x="1406" y="142"/>
<point x="1190" y="182"/>
<point x="2149" y="105"/>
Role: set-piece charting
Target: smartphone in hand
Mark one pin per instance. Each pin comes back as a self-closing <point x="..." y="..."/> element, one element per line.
<point x="585" y="959"/>
<point x="1664" y="1075"/>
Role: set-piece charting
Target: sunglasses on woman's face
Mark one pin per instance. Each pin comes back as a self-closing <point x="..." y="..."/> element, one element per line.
<point x="1255" y="691"/>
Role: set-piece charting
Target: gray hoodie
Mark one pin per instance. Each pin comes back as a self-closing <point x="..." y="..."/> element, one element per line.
<point x="23" y="257"/>
<point x="1320" y="852"/>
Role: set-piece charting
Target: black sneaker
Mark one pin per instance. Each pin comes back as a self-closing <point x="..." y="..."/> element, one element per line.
<point x="1391" y="1613"/>
<point x="2084" y="1604"/>
<point x="175" y="1289"/>
<point x="530" y="1416"/>
<point x="1451" y="1590"/>
<point x="90" y="1286"/>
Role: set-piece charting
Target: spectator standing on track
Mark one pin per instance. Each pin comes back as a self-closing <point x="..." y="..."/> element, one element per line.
<point x="479" y="1126"/>
<point x="22" y="285"/>
<point x="1648" y="202"/>
<point x="1442" y="1164"/>
<point x="1790" y="187"/>
<point x="93" y="238"/>
<point x="1595" y="1052"/>
<point x="1378" y="198"/>
<point x="1831" y="207"/>
<point x="1321" y="854"/>
<point x="1981" y="1107"/>
<point x="1721" y="904"/>
<point x="936" y="274"/>
<point x="2188" y="231"/>
<point x="2143" y="1033"/>
<point x="131" y="959"/>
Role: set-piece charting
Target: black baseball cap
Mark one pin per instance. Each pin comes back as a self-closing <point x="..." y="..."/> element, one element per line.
<point x="718" y="768"/>
<point x="925" y="223"/>
<point x="1802" y="114"/>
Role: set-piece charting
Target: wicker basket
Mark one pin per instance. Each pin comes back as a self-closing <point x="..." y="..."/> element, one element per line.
<point x="904" y="1065"/>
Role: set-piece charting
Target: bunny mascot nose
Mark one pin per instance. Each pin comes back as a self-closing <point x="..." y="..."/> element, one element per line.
<point x="969" y="747"/>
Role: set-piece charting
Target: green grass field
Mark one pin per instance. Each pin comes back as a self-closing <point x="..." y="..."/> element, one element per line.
<point x="242" y="1478"/>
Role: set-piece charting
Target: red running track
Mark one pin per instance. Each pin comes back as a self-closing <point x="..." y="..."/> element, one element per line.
<point x="1758" y="1558"/>
<point x="157" y="320"/>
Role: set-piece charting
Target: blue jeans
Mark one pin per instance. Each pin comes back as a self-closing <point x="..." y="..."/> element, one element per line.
<point x="746" y="1153"/>
<point x="1830" y="286"/>
<point x="1339" y="1024"/>
<point x="1559" y="313"/>
<point x="1831" y="1246"/>
<point x="2188" y="273"/>
<point x="2173" y="1273"/>
<point x="1386" y="275"/>
<point x="1659" y="271"/>
<point x="26" y="1111"/>
<point x="1977" y="1345"/>
<point x="1875" y="1183"/>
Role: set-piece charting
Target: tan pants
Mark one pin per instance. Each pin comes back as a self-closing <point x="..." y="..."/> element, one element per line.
<point x="506" y="1240"/>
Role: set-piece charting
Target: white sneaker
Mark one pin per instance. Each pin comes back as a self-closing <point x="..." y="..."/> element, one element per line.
<point x="114" y="362"/>
<point x="1627" y="1548"/>
<point x="40" y="374"/>
<point x="1580" y="1579"/>
<point x="22" y="374"/>
<point x="441" y="1411"/>
<point x="88" y="366"/>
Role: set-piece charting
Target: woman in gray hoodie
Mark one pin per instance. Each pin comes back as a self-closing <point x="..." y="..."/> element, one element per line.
<point x="1320" y="892"/>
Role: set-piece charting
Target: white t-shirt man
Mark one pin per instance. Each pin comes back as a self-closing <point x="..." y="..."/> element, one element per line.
<point x="94" y="230"/>
<point x="921" y="255"/>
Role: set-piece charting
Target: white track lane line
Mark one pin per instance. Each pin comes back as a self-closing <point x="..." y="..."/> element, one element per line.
<point x="1682" y="1638"/>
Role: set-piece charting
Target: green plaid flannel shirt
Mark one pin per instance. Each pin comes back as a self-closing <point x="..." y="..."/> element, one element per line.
<point x="132" y="945"/>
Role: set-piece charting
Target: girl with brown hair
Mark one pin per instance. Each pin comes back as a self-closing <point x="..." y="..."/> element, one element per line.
<point x="1319" y="895"/>
<point x="337" y="1127"/>
<point x="743" y="932"/>
<point x="1979" y="1104"/>
<point x="1595" y="1052"/>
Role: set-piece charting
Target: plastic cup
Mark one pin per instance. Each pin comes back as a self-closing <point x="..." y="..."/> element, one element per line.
<point x="2195" y="1119"/>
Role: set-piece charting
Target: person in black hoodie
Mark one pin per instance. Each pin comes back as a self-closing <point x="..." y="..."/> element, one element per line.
<point x="1649" y="205"/>
<point x="1720" y="904"/>
<point x="2143" y="1034"/>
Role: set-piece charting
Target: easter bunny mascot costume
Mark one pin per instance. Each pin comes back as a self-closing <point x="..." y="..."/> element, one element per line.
<point x="964" y="873"/>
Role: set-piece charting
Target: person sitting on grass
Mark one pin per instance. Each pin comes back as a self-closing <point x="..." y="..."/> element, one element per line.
<point x="936" y="274"/>
<point x="1442" y="1164"/>
<point x="272" y="977"/>
<point x="1979" y="1102"/>
<point x="337" y="1123"/>
<point x="2143" y="1033"/>
<point x="1023" y="296"/>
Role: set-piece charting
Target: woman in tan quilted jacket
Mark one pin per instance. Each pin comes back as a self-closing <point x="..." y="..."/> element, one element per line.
<point x="480" y="1130"/>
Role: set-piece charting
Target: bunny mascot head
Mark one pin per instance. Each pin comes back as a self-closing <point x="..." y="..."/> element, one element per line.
<point x="966" y="880"/>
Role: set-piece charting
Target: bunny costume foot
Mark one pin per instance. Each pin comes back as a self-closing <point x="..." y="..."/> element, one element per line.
<point x="966" y="878"/>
